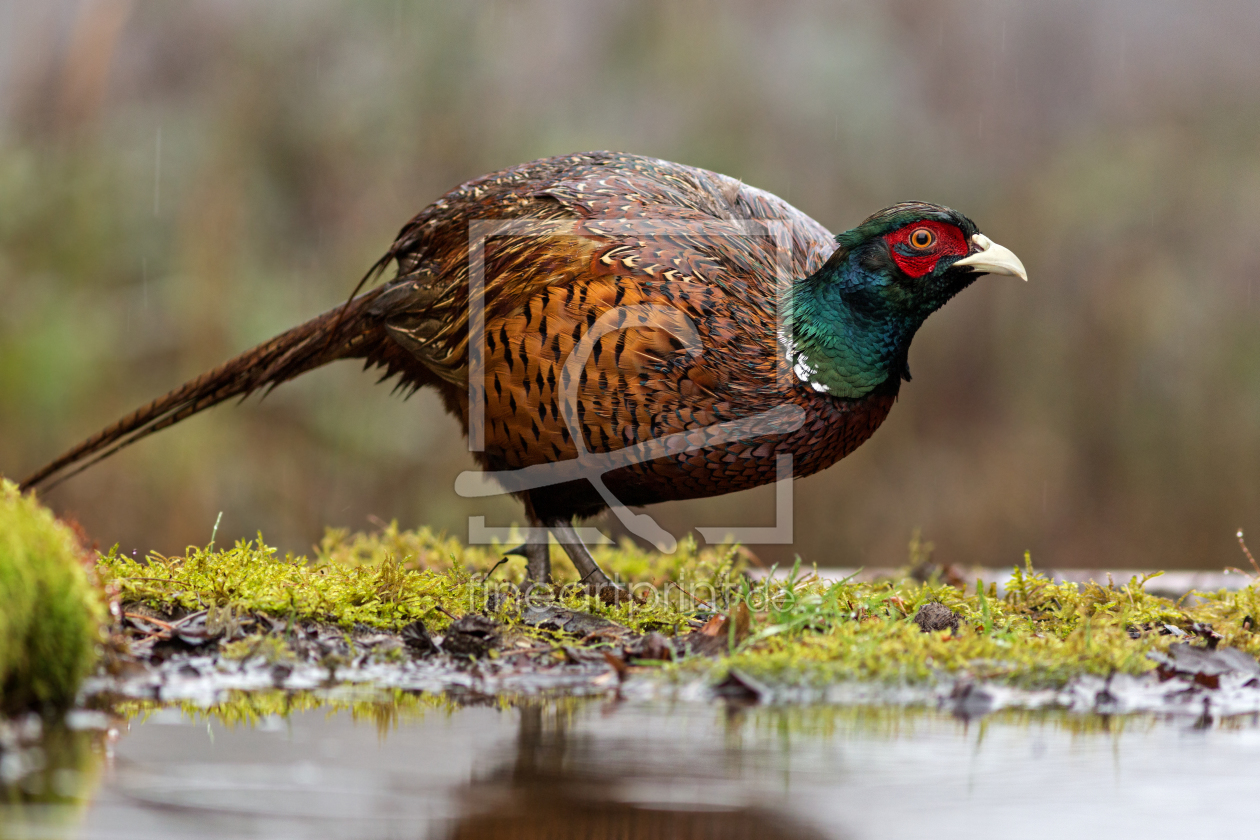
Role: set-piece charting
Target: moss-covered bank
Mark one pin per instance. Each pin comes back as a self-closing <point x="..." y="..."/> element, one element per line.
<point x="795" y="629"/>
<point x="49" y="612"/>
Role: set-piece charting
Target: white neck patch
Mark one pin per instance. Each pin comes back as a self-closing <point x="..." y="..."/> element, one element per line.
<point x="801" y="366"/>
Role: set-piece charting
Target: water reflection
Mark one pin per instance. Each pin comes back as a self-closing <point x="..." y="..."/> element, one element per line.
<point x="375" y="765"/>
<point x="48" y="770"/>
<point x="556" y="788"/>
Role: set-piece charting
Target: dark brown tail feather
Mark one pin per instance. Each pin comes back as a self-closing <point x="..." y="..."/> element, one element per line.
<point x="348" y="331"/>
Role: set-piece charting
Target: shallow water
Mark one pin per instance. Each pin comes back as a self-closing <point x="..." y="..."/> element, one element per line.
<point x="631" y="770"/>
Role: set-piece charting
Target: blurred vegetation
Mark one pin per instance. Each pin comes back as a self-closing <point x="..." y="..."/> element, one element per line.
<point x="179" y="182"/>
<point x="50" y="615"/>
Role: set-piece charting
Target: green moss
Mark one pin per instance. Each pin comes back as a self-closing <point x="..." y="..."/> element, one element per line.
<point x="1040" y="633"/>
<point x="251" y="577"/>
<point x="49" y="621"/>
<point x="388" y="579"/>
<point x="794" y="629"/>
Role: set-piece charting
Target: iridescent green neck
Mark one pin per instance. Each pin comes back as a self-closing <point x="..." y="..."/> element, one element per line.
<point x="849" y="329"/>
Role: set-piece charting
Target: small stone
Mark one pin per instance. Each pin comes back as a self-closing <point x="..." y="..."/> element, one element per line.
<point x="417" y="639"/>
<point x="472" y="635"/>
<point x="935" y="617"/>
<point x="279" y="673"/>
<point x="552" y="617"/>
<point x="652" y="647"/>
<point x="970" y="700"/>
<point x="740" y="688"/>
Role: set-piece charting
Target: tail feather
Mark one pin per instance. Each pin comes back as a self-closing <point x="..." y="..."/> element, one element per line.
<point x="349" y="331"/>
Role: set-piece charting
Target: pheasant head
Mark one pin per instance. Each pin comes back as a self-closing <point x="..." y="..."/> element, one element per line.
<point x="849" y="325"/>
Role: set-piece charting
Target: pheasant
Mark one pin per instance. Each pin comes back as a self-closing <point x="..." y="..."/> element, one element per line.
<point x="620" y="330"/>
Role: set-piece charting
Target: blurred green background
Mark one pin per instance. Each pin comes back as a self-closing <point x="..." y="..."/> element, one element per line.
<point x="181" y="181"/>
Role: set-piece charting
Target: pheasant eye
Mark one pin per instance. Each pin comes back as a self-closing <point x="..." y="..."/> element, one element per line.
<point x="922" y="238"/>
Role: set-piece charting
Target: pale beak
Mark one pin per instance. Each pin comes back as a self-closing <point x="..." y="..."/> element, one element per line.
<point x="992" y="258"/>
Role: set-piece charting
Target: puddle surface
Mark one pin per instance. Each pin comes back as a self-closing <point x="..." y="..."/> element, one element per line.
<point x="640" y="770"/>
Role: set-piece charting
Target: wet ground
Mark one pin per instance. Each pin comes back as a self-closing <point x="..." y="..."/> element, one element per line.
<point x="601" y="768"/>
<point x="373" y="734"/>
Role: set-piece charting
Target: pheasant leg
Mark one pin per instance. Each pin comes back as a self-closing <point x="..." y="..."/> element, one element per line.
<point x="537" y="562"/>
<point x="592" y="575"/>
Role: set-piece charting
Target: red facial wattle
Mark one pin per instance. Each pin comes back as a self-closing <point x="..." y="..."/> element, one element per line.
<point x="946" y="241"/>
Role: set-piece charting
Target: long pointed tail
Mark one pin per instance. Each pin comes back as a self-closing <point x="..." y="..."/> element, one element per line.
<point x="349" y="331"/>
